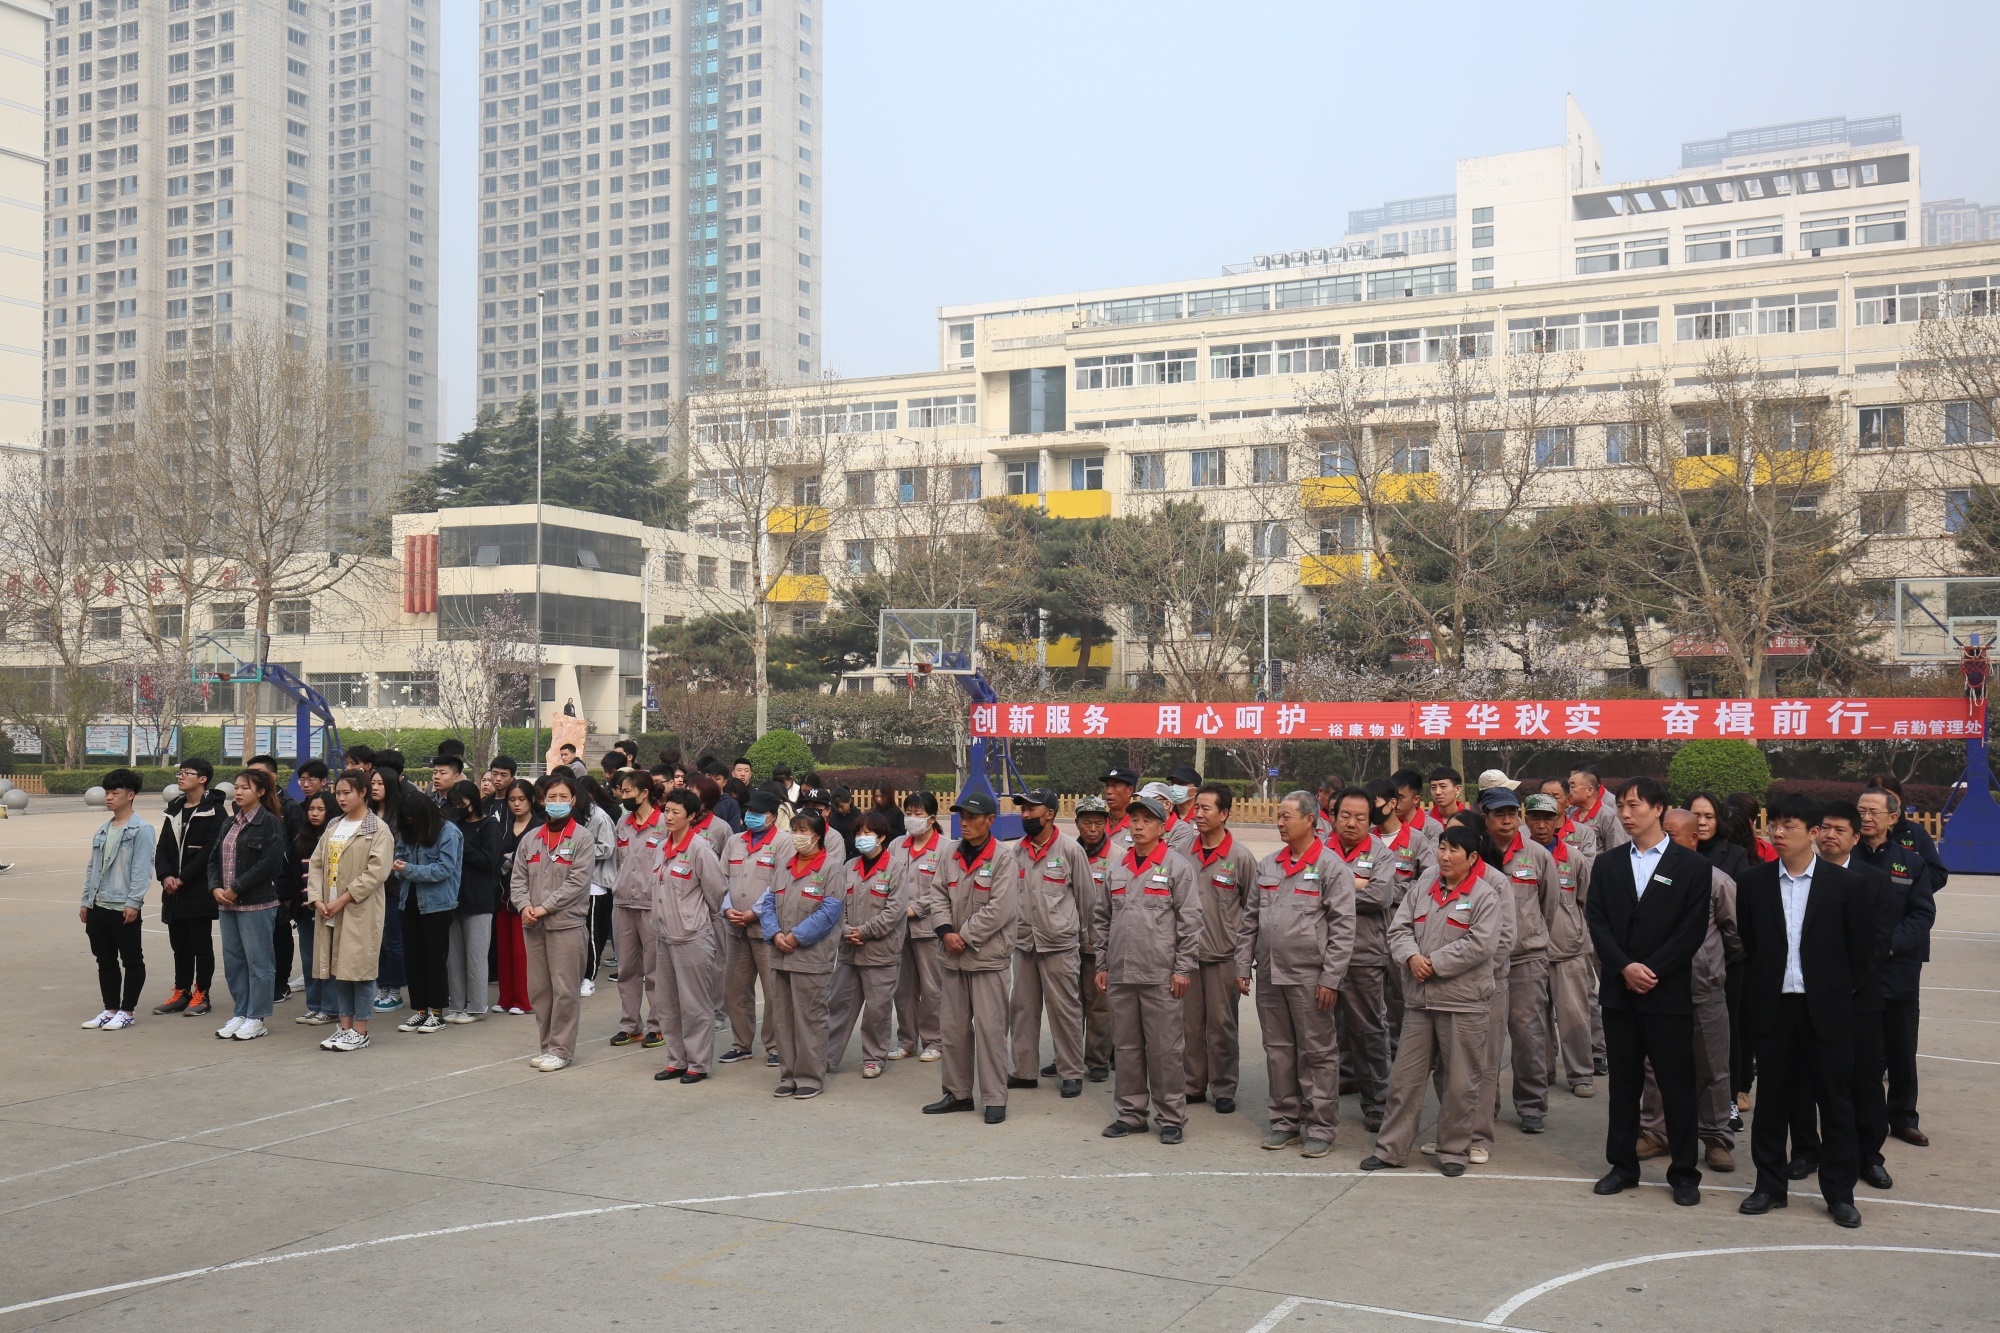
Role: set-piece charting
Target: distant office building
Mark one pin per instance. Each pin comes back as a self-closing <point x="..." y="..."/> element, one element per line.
<point x="1949" y="221"/>
<point x="23" y="43"/>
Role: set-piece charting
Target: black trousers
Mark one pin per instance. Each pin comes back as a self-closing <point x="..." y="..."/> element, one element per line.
<point x="193" y="943"/>
<point x="121" y="960"/>
<point x="1899" y="1054"/>
<point x="1871" y="1112"/>
<point x="600" y="934"/>
<point x="1796" y="1067"/>
<point x="282" y="948"/>
<point x="1631" y="1038"/>
<point x="426" y="956"/>
<point x="1742" y="1069"/>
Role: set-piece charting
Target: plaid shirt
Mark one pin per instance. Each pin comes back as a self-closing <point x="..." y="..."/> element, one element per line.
<point x="236" y="826"/>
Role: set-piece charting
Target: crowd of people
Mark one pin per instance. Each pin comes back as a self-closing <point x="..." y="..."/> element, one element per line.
<point x="1408" y="937"/>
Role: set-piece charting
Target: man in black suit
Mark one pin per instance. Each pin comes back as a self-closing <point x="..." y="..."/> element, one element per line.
<point x="1648" y="912"/>
<point x="1888" y="842"/>
<point x="1809" y="931"/>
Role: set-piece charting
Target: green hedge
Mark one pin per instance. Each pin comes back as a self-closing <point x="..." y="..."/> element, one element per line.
<point x="779" y="746"/>
<point x="1719" y="766"/>
<point x="77" y="781"/>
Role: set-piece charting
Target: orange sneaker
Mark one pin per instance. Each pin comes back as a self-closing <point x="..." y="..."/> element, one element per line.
<point x="198" y="1004"/>
<point x="175" y="1003"/>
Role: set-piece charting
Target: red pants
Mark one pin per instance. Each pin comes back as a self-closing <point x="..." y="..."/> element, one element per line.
<point x="513" y="960"/>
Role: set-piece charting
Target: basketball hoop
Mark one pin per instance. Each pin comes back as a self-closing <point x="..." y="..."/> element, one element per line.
<point x="1976" y="666"/>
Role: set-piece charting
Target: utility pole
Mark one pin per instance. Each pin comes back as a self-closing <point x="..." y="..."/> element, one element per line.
<point x="535" y="701"/>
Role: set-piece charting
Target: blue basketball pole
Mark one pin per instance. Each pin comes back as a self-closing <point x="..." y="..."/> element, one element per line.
<point x="1970" y="843"/>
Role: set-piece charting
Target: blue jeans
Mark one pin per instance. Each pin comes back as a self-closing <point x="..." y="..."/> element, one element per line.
<point x="246" y="960"/>
<point x="353" y="1000"/>
<point x="319" y="993"/>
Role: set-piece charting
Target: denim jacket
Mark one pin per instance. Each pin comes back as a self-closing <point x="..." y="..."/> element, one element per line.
<point x="433" y="871"/>
<point x="131" y="867"/>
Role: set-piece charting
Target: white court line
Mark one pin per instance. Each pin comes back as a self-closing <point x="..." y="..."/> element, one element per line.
<point x="1956" y="1059"/>
<point x="1284" y="1310"/>
<point x="869" y="1186"/>
<point x="1966" y="990"/>
<point x="1502" y="1312"/>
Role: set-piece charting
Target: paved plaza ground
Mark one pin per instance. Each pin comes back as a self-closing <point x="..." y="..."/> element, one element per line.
<point x="160" y="1178"/>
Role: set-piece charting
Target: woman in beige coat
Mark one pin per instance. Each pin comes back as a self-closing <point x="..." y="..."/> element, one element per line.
<point x="344" y="883"/>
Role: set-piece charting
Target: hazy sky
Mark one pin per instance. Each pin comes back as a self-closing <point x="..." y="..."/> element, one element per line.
<point x="983" y="151"/>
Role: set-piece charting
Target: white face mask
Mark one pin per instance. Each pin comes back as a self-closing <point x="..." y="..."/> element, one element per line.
<point x="1178" y="795"/>
<point x="865" y="843"/>
<point x="916" y="825"/>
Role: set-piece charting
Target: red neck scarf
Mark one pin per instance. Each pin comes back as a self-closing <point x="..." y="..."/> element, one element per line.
<point x="641" y="825"/>
<point x="801" y="869"/>
<point x="979" y="858"/>
<point x="1153" y="859"/>
<point x="916" y="851"/>
<point x="868" y="869"/>
<point x="551" y="835"/>
<point x="1048" y="841"/>
<point x="757" y="842"/>
<point x="1359" y="847"/>
<point x="1291" y="864"/>
<point x="675" y="847"/>
<point x="1444" y="899"/>
<point x="1208" y="858"/>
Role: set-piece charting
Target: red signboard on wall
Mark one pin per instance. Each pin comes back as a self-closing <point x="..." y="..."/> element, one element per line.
<point x="420" y="574"/>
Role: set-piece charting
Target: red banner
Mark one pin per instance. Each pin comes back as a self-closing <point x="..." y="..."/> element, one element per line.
<point x="1504" y="720"/>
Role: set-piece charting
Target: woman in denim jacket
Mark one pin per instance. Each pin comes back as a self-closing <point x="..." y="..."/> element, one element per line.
<point x="429" y="851"/>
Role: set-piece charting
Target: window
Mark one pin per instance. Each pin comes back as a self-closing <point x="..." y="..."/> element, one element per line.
<point x="1622" y="328"/>
<point x="803" y="558"/>
<point x="1883" y="514"/>
<point x="704" y="570"/>
<point x="1339" y="458"/>
<point x="861" y="488"/>
<point x="1149" y="472"/>
<point x="1881" y="427"/>
<point x="1875" y="228"/>
<point x="959" y="336"/>
<point x="1024" y="476"/>
<point x="965" y="482"/>
<point x="1239" y="361"/>
<point x="168" y="622"/>
<point x="949" y="410"/>
<point x="1342" y="534"/>
<point x="408" y="689"/>
<point x="1409" y="453"/>
<point x="1703" y="440"/>
<point x="1429" y="280"/>
<point x="294" y="616"/>
<point x="1086" y="474"/>
<point x="1174" y="366"/>
<point x="1035" y="400"/>
<point x="1824" y="234"/>
<point x="1957" y="506"/>
<point x="225" y="616"/>
<point x="1624" y="442"/>
<point x="1142" y="309"/>
<point x="1802" y="313"/>
<point x="1704" y="246"/>
<point x="1703" y="320"/>
<point x="912" y="485"/>
<point x="673" y="566"/>
<point x="1269" y="541"/>
<point x="1229" y="301"/>
<point x="1401" y="347"/>
<point x="1903" y="303"/>
<point x="1482" y="237"/>
<point x="1549" y="333"/>
<point x="1555" y="446"/>
<point x="1267" y="465"/>
<point x="1967" y="423"/>
<point x="1480" y="215"/>
<point x="343" y="689"/>
<point x="1486" y="451"/>
<point x="1307" y="356"/>
<point x="1752" y="241"/>
<point x="1597" y="258"/>
<point x="1792" y="428"/>
<point x="1647" y="252"/>
<point x="805" y="490"/>
<point x="1205" y="468"/>
<point x="107" y="622"/>
<point x="1104" y="372"/>
<point x="739" y="576"/>
<point x="805" y="617"/>
<point x="859" y="558"/>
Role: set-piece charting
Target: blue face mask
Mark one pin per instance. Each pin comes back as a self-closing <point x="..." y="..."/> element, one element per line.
<point x="755" y="822"/>
<point x="556" y="809"/>
<point x="865" y="843"/>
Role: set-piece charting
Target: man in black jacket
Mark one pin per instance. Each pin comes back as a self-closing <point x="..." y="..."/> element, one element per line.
<point x="1913" y="908"/>
<point x="1837" y="840"/>
<point x="195" y="819"/>
<point x="1648" y="912"/>
<point x="1809" y="936"/>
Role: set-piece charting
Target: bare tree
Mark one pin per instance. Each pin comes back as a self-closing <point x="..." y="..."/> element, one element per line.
<point x="285" y="440"/>
<point x="485" y="674"/>
<point x="1944" y="434"/>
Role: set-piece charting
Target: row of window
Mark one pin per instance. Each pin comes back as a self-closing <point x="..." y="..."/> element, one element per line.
<point x="288" y="616"/>
<point x="1755" y="241"/>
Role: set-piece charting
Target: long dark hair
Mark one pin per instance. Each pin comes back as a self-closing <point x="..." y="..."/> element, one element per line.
<point x="419" y="822"/>
<point x="465" y="802"/>
<point x="267" y="789"/>
<point x="309" y="835"/>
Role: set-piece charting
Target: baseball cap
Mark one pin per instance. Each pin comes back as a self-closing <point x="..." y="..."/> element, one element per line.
<point x="1493" y="778"/>
<point x="1157" y="790"/>
<point x="1151" y="805"/>
<point x="1185" y="775"/>
<point x="1124" y="775"/>
<point x="1541" y="803"/>
<point x="761" y="803"/>
<point x="1499" y="798"/>
<point x="815" y="796"/>
<point x="1093" y="805"/>
<point x="1036" y="796"/>
<point x="978" y="803"/>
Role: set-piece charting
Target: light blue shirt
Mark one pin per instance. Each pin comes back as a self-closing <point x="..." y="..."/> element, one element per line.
<point x="1795" y="890"/>
<point x="1644" y="863"/>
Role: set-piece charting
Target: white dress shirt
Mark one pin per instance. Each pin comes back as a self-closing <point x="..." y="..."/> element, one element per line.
<point x="1795" y="889"/>
<point x="1644" y="863"/>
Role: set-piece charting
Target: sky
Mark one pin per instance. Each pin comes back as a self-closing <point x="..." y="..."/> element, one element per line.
<point x="987" y="151"/>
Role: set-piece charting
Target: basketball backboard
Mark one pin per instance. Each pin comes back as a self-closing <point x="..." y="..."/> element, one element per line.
<point x="226" y="657"/>
<point x="927" y="640"/>
<point x="1937" y="618"/>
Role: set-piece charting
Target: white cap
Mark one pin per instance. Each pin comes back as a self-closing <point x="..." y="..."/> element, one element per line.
<point x="1492" y="778"/>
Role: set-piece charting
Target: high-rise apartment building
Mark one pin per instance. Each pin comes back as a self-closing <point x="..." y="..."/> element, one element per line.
<point x="23" y="43"/>
<point x="649" y="202"/>
<point x="212" y="165"/>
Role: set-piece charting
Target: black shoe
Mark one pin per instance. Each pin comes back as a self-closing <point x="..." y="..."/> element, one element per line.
<point x="771" y="1059"/>
<point x="1197" y="1098"/>
<point x="1225" y="1106"/>
<point x="1171" y="1134"/>
<point x="946" y="1104"/>
<point x="1013" y="1082"/>
<point x="1801" y="1167"/>
<point x="1372" y="1123"/>
<point x="1844" y="1215"/>
<point x="1909" y="1134"/>
<point x="1600" y="1066"/>
<point x="996" y="1114"/>
<point x="624" y="1038"/>
<point x="1760" y="1203"/>
<point x="1048" y="1071"/>
<point x="1531" y="1124"/>
<point x="1613" y="1183"/>
<point x="1072" y="1087"/>
<point x="1877" y="1175"/>
<point x="1451" y="1170"/>
<point x="1687" y="1196"/>
<point x="1120" y="1129"/>
<point x="670" y="1073"/>
<point x="733" y="1054"/>
<point x="694" y="1076"/>
<point x="1097" y="1073"/>
<point x="1374" y="1163"/>
<point x="807" y="1094"/>
<point x="1735" y="1122"/>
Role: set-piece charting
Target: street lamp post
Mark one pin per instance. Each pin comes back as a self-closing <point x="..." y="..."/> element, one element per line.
<point x="535" y="701"/>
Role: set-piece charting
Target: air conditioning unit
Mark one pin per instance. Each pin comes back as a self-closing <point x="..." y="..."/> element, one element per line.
<point x="1260" y="261"/>
<point x="1299" y="258"/>
<point x="1319" y="256"/>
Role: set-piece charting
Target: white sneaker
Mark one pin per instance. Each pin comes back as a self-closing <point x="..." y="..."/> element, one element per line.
<point x="589" y="987"/>
<point x="931" y="1054"/>
<point x="252" y="1029"/>
<point x="230" y="1029"/>
<point x="535" y="1061"/>
<point x="118" y="1022"/>
<point x="1429" y="1150"/>
<point x="351" y="1040"/>
<point x="516" y="1009"/>
<point x="551" y="1063"/>
<point x="333" y="1043"/>
<point x="1478" y="1156"/>
<point x="499" y="1009"/>
<point x="900" y="1053"/>
<point x="460" y="1016"/>
<point x="100" y="1020"/>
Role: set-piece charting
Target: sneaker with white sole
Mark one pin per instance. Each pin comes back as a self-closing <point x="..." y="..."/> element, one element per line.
<point x="99" y="1021"/>
<point x="516" y="1010"/>
<point x="498" y="1009"/>
<point x="589" y="987"/>
<point x="333" y="1043"/>
<point x="414" y="1021"/>
<point x="931" y="1054"/>
<point x="431" y="1023"/>
<point x="871" y="1069"/>
<point x="1478" y="1156"/>
<point x="535" y="1061"/>
<point x="252" y="1029"/>
<point x="228" y="1030"/>
<point x="352" y="1040"/>
<point x="900" y="1053"/>
<point x="118" y="1022"/>
<point x="461" y="1016"/>
<point x="551" y="1063"/>
<point x="314" y="1018"/>
<point x="389" y="1003"/>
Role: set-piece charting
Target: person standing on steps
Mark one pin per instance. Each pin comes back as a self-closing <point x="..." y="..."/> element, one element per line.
<point x="115" y="880"/>
<point x="193" y="823"/>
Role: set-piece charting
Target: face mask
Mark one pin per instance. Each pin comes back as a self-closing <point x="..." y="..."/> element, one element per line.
<point x="1178" y="795"/>
<point x="866" y="843"/>
<point x="556" y="810"/>
<point x="804" y="843"/>
<point x="1031" y="826"/>
<point x="916" y="825"/>
<point x="630" y="803"/>
<point x="755" y="822"/>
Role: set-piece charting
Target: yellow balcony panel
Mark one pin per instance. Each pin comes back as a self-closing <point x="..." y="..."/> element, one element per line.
<point x="1699" y="474"/>
<point x="1394" y="488"/>
<point x="1801" y="467"/>
<point x="797" y="518"/>
<point x="1316" y="571"/>
<point x="799" y="588"/>
<point x="1027" y="501"/>
<point x="1081" y="504"/>
<point x="1063" y="652"/>
<point x="1330" y="492"/>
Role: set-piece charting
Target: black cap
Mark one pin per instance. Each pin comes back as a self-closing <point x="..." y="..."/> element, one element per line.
<point x="1185" y="776"/>
<point x="1036" y="796"/>
<point x="978" y="803"/>
<point x="1124" y="775"/>
<point x="815" y="796"/>
<point x="1498" y="798"/>
<point x="841" y="793"/>
<point x="782" y="771"/>
<point x="761" y="803"/>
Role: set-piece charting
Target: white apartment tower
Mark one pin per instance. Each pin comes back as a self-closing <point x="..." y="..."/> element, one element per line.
<point x="188" y="195"/>
<point x="649" y="202"/>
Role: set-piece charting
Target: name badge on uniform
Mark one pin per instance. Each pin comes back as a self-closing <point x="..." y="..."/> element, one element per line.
<point x="565" y="855"/>
<point x="874" y="892"/>
<point x="1312" y="872"/>
<point x="652" y="842"/>
<point x="811" y="891"/>
<point x="681" y="870"/>
<point x="1662" y="879"/>
<point x="767" y="860"/>
<point x="926" y="868"/>
<point x="1365" y="863"/>
<point x="1222" y="881"/>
